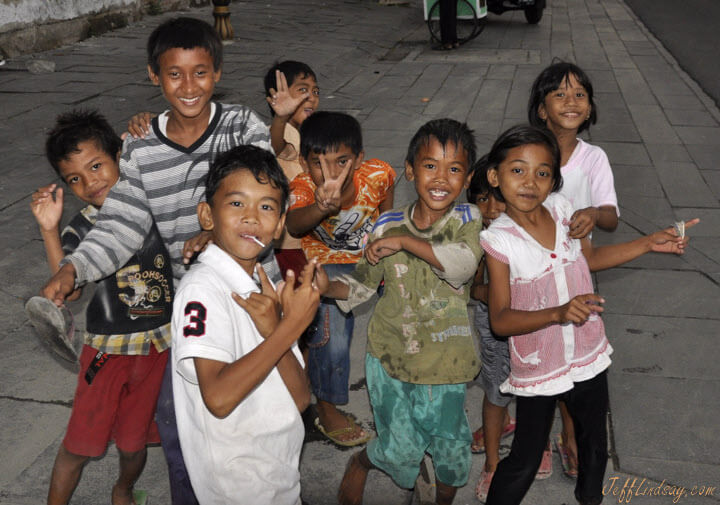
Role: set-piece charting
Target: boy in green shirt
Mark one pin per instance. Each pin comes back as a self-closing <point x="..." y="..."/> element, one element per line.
<point x="420" y="348"/>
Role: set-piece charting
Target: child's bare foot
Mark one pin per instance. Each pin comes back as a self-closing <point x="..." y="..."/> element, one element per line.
<point x="353" y="482"/>
<point x="338" y="427"/>
<point x="122" y="496"/>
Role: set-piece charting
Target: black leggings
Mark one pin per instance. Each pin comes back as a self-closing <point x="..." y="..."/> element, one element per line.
<point x="587" y="403"/>
<point x="448" y="21"/>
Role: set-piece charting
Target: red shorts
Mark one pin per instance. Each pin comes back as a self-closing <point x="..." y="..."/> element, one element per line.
<point x="290" y="259"/>
<point x="119" y="404"/>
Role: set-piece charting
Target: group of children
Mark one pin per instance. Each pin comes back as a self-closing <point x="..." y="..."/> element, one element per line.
<point x="288" y="228"/>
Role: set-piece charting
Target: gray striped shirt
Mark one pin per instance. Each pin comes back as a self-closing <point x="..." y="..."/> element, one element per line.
<point x="164" y="181"/>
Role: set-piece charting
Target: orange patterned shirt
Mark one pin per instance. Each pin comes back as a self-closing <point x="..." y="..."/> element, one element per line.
<point x="339" y="238"/>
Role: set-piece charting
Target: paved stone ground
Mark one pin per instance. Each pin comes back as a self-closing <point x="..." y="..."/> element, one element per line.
<point x="659" y="130"/>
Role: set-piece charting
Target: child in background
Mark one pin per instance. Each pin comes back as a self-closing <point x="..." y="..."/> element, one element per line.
<point x="127" y="320"/>
<point x="541" y="296"/>
<point x="494" y="355"/>
<point x="561" y="100"/>
<point x="333" y="207"/>
<point x="293" y="95"/>
<point x="162" y="179"/>
<point x="239" y="384"/>
<point x="421" y="352"/>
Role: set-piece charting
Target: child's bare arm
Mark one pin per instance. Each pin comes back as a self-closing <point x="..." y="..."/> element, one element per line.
<point x="387" y="203"/>
<point x="284" y="106"/>
<point x="584" y="220"/>
<point x="387" y="246"/>
<point x="666" y="241"/>
<point x="225" y="385"/>
<point x="337" y="290"/>
<point x="327" y="203"/>
<point x="479" y="289"/>
<point x="506" y="321"/>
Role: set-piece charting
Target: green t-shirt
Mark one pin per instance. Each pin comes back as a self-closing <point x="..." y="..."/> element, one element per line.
<point x="420" y="330"/>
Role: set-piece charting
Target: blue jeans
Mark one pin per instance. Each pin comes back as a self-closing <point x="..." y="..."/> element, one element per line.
<point x="181" y="490"/>
<point x="328" y="342"/>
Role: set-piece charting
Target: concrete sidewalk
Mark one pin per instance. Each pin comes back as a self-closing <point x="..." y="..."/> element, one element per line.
<point x="661" y="134"/>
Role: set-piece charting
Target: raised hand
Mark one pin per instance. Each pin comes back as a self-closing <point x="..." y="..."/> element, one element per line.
<point x="579" y="309"/>
<point x="381" y="248"/>
<point x="300" y="305"/>
<point x="195" y="245"/>
<point x="280" y="99"/>
<point x="47" y="208"/>
<point x="264" y="307"/>
<point x="329" y="195"/>
<point x="667" y="240"/>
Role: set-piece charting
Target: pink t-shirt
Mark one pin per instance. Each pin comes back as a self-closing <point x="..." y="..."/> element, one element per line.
<point x="588" y="179"/>
<point x="550" y="360"/>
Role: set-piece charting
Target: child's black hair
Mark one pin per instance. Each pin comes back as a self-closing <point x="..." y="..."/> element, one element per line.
<point x="550" y="79"/>
<point x="184" y="33"/>
<point x="326" y="131"/>
<point x="292" y="70"/>
<point x="521" y="135"/>
<point x="72" y="128"/>
<point x="479" y="184"/>
<point x="260" y="162"/>
<point x="444" y="131"/>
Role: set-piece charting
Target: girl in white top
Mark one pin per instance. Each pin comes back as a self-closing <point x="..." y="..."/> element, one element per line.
<point x="541" y="297"/>
<point x="561" y="100"/>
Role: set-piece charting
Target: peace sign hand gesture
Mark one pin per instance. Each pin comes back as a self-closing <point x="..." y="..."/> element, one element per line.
<point x="281" y="101"/>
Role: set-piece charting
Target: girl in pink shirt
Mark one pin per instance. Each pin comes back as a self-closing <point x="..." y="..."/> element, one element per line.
<point x="541" y="297"/>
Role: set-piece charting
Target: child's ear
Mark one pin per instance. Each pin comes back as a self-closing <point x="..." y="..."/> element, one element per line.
<point x="217" y="74"/>
<point x="467" y="180"/>
<point x="153" y="76"/>
<point x="280" y="226"/>
<point x="542" y="113"/>
<point x="359" y="159"/>
<point x="117" y="156"/>
<point x="409" y="174"/>
<point x="493" y="178"/>
<point x="204" y="213"/>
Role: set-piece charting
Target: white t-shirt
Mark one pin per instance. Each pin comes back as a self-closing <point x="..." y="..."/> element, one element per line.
<point x="252" y="455"/>
<point x="588" y="179"/>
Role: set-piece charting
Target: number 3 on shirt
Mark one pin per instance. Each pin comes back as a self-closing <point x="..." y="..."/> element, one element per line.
<point x="198" y="314"/>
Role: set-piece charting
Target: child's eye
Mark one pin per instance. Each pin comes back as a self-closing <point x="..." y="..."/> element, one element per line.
<point x="303" y="90"/>
<point x="455" y="170"/>
<point x="201" y="73"/>
<point x="316" y="92"/>
<point x="516" y="170"/>
<point x="174" y="75"/>
<point x="482" y="199"/>
<point x="560" y="94"/>
<point x="236" y="204"/>
<point x="267" y="206"/>
<point x="95" y="167"/>
<point x="544" y="173"/>
<point x="429" y="166"/>
<point x="73" y="180"/>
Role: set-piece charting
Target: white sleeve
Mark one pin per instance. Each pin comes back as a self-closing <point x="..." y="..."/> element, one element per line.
<point x="602" y="182"/>
<point x="201" y="328"/>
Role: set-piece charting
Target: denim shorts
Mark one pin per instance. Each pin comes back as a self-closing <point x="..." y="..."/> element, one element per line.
<point x="329" y="337"/>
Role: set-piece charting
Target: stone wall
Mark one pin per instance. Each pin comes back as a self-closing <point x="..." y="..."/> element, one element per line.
<point x="28" y="26"/>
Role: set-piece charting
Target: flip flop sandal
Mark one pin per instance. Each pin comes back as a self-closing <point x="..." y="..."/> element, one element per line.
<point x="483" y="485"/>
<point x="479" y="437"/>
<point x="565" y="458"/>
<point x="545" y="470"/>
<point x="55" y="327"/>
<point x="140" y="497"/>
<point x="334" y="435"/>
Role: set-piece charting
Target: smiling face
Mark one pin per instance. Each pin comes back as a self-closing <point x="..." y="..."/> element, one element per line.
<point x="243" y="211"/>
<point x="304" y="84"/>
<point x="90" y="172"/>
<point x="524" y="178"/>
<point x="567" y="107"/>
<point x="187" y="79"/>
<point x="440" y="173"/>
